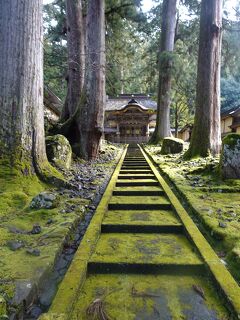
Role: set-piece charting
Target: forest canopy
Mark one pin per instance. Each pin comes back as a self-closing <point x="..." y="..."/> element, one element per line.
<point x="132" y="35"/>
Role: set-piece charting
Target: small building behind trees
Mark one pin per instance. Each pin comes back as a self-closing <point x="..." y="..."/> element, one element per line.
<point x="230" y="121"/>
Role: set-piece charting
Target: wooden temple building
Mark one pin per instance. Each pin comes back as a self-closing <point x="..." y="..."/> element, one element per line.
<point x="130" y="118"/>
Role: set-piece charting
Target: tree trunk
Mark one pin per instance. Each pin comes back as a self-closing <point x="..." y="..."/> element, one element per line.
<point x="22" y="142"/>
<point x="206" y="136"/>
<point x="93" y="99"/>
<point x="176" y="122"/>
<point x="163" y="129"/>
<point x="76" y="62"/>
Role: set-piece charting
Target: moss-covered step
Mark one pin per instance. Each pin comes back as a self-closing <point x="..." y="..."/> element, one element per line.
<point x="150" y="297"/>
<point x="223" y="279"/>
<point x="140" y="182"/>
<point x="134" y="162"/>
<point x="141" y="228"/>
<point x="128" y="157"/>
<point x="130" y="171"/>
<point x="136" y="176"/>
<point x="138" y="191"/>
<point x="139" y="203"/>
<point x="135" y="168"/>
<point x="156" y="249"/>
<point x="158" y="221"/>
<point x="146" y="217"/>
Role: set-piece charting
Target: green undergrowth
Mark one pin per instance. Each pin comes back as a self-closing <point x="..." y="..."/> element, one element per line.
<point x="17" y="221"/>
<point x="214" y="203"/>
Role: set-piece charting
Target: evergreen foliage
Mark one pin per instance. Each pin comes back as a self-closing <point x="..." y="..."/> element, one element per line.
<point x="132" y="44"/>
<point x="230" y="92"/>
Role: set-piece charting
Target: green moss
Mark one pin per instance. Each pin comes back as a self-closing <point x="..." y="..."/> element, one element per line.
<point x="3" y="306"/>
<point x="145" y="248"/>
<point x="51" y="175"/>
<point x="59" y="151"/>
<point x="130" y="297"/>
<point x="210" y="199"/>
<point x="231" y="139"/>
<point x="76" y="275"/>
<point x="16" y="192"/>
<point x="172" y="145"/>
<point x="17" y="188"/>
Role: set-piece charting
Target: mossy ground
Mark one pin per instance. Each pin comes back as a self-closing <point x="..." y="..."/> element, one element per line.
<point x="215" y="203"/>
<point x="17" y="220"/>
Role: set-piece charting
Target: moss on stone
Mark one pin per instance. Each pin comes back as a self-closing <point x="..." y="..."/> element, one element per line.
<point x="231" y="139"/>
<point x="59" y="151"/>
<point x="130" y="297"/>
<point x="172" y="145"/>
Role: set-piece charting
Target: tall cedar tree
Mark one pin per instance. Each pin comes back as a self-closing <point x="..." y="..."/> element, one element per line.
<point x="163" y="129"/>
<point x="94" y="95"/>
<point x="22" y="141"/>
<point x="84" y="107"/>
<point x="76" y="59"/>
<point x="206" y="136"/>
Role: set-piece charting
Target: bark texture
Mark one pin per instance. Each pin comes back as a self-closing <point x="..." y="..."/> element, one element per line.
<point x="93" y="97"/>
<point x="206" y="136"/>
<point x="76" y="57"/>
<point x="168" y="27"/>
<point x="22" y="141"/>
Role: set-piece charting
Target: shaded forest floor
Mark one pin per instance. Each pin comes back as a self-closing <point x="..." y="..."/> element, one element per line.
<point x="214" y="204"/>
<point x="34" y="241"/>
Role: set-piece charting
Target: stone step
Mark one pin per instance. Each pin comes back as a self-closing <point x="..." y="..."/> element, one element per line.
<point x="147" y="249"/>
<point x="140" y="228"/>
<point x="135" y="164"/>
<point x="142" y="171"/>
<point x="138" y="193"/>
<point x="135" y="168"/>
<point x="165" y="296"/>
<point x="143" y="182"/>
<point x="136" y="176"/>
<point x="139" y="203"/>
<point x="145" y="268"/>
<point x="139" y="200"/>
<point x="134" y="158"/>
<point x="136" y="206"/>
<point x="139" y="217"/>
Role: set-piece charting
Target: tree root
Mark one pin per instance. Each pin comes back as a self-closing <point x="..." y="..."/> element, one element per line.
<point x="97" y="311"/>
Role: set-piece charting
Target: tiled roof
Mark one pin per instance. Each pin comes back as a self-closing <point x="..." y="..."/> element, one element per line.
<point x="230" y="112"/>
<point x="118" y="103"/>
